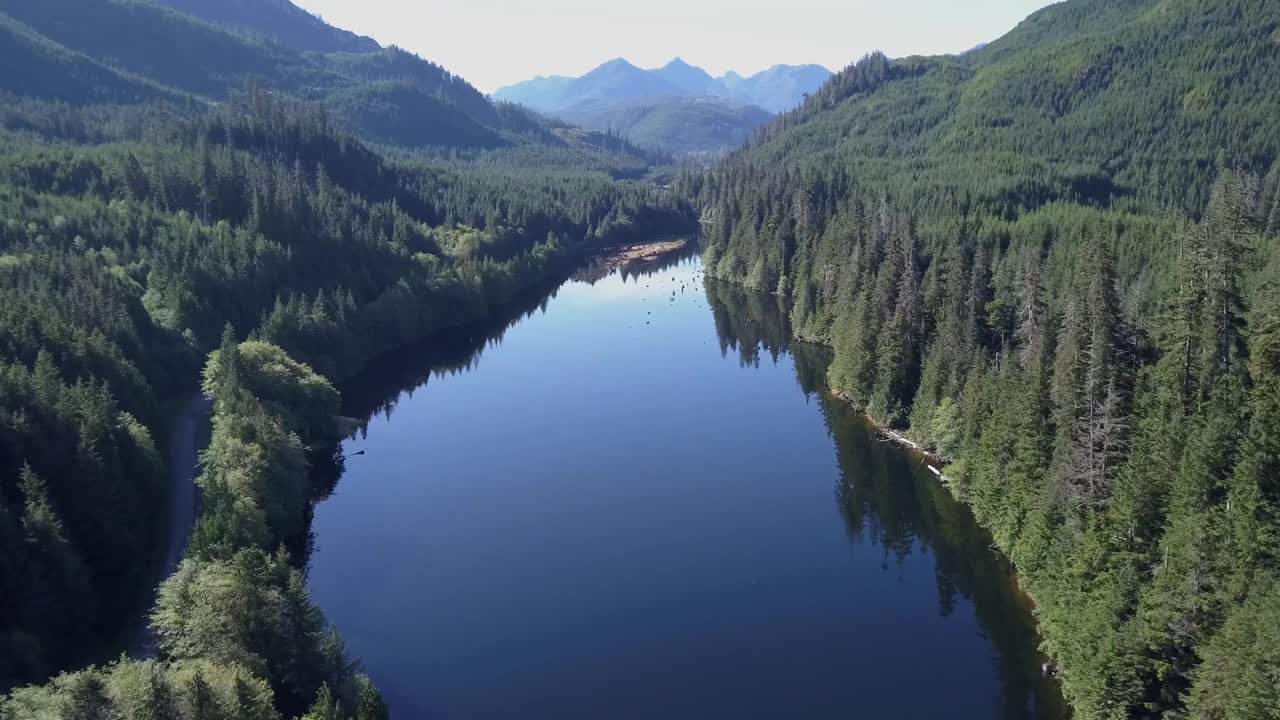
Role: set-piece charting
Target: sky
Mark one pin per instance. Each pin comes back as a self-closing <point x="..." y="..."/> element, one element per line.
<point x="493" y="43"/>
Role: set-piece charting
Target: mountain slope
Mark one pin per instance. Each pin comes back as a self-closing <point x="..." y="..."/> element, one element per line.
<point x="1083" y="97"/>
<point x="53" y="72"/>
<point x="399" y="66"/>
<point x="138" y="50"/>
<point x="279" y="20"/>
<point x="679" y="125"/>
<point x="153" y="42"/>
<point x="541" y="93"/>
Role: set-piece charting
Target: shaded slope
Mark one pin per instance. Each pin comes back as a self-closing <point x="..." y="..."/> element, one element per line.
<point x="679" y="125"/>
<point x="279" y="20"/>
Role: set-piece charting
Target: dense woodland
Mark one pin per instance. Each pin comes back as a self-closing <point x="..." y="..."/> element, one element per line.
<point x="278" y="218"/>
<point x="1054" y="262"/>
<point x="124" y="259"/>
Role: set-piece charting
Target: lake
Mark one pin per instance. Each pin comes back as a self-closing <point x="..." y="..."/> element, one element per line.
<point x="633" y="498"/>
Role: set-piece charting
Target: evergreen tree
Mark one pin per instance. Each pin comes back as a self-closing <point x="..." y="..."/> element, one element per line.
<point x="326" y="706"/>
<point x="369" y="703"/>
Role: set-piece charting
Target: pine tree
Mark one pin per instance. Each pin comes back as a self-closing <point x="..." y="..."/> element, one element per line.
<point x="898" y="345"/>
<point x="1090" y="389"/>
<point x="369" y="703"/>
<point x="1032" y="334"/>
<point x="200" y="701"/>
<point x="1273" y="220"/>
<point x="157" y="701"/>
<point x="85" y="697"/>
<point x="1227" y="237"/>
<point x="852" y="368"/>
<point x="61" y="595"/>
<point x="136" y="183"/>
<point x="1068" y="377"/>
<point x="325" y="707"/>
<point x="1254" y="492"/>
<point x="222" y="379"/>
<point x="1241" y="663"/>
<point x="251" y="699"/>
<point x="47" y="379"/>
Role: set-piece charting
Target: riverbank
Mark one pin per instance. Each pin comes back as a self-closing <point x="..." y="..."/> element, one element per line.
<point x="625" y="256"/>
<point x="936" y="463"/>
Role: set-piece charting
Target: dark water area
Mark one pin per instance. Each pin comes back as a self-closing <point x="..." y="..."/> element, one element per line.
<point x="631" y="497"/>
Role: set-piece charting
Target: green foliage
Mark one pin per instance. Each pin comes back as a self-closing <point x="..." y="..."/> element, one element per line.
<point x="196" y="690"/>
<point x="1238" y="678"/>
<point x="250" y="611"/>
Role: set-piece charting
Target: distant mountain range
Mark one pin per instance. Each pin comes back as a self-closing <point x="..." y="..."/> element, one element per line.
<point x="678" y="107"/>
<point x="777" y="89"/>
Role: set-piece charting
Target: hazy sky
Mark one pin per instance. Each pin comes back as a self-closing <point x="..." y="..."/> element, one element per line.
<point x="493" y="43"/>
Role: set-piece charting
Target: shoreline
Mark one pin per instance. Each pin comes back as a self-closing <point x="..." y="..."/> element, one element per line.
<point x="622" y="257"/>
<point x="936" y="466"/>
<point x="900" y="439"/>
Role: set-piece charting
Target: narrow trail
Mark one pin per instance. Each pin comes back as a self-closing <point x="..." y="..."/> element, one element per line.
<point x="184" y="459"/>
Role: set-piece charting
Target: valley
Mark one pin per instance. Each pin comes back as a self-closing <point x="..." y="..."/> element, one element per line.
<point x="677" y="108"/>
<point x="585" y="398"/>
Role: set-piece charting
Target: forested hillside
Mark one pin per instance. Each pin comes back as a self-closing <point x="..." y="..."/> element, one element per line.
<point x="1054" y="262"/>
<point x="169" y="189"/>
<point x="680" y="125"/>
<point x="126" y="51"/>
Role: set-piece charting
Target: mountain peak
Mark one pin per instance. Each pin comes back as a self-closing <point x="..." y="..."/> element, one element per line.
<point x="677" y="63"/>
<point x="616" y="63"/>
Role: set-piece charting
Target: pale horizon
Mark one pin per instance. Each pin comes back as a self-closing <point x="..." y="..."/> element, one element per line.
<point x="571" y="37"/>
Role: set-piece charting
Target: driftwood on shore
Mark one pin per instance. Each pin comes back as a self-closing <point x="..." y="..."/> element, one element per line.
<point x="903" y="440"/>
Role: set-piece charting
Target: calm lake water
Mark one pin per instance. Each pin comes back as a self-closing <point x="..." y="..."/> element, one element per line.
<point x="637" y="501"/>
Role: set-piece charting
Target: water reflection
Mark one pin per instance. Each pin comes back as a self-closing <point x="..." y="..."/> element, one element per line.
<point x="899" y="506"/>
<point x="890" y="508"/>
<point x="395" y="378"/>
<point x="597" y="269"/>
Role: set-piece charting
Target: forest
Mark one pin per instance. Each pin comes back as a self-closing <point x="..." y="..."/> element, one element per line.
<point x="216" y="217"/>
<point x="1054" y="262"/>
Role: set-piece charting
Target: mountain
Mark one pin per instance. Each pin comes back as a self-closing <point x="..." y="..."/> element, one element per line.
<point x="542" y="93"/>
<point x="111" y="51"/>
<point x="689" y="80"/>
<point x="777" y="89"/>
<point x="1053" y="262"/>
<point x="677" y="107"/>
<point x="278" y="20"/>
<point x="616" y="80"/>
<point x="679" y="125"/>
